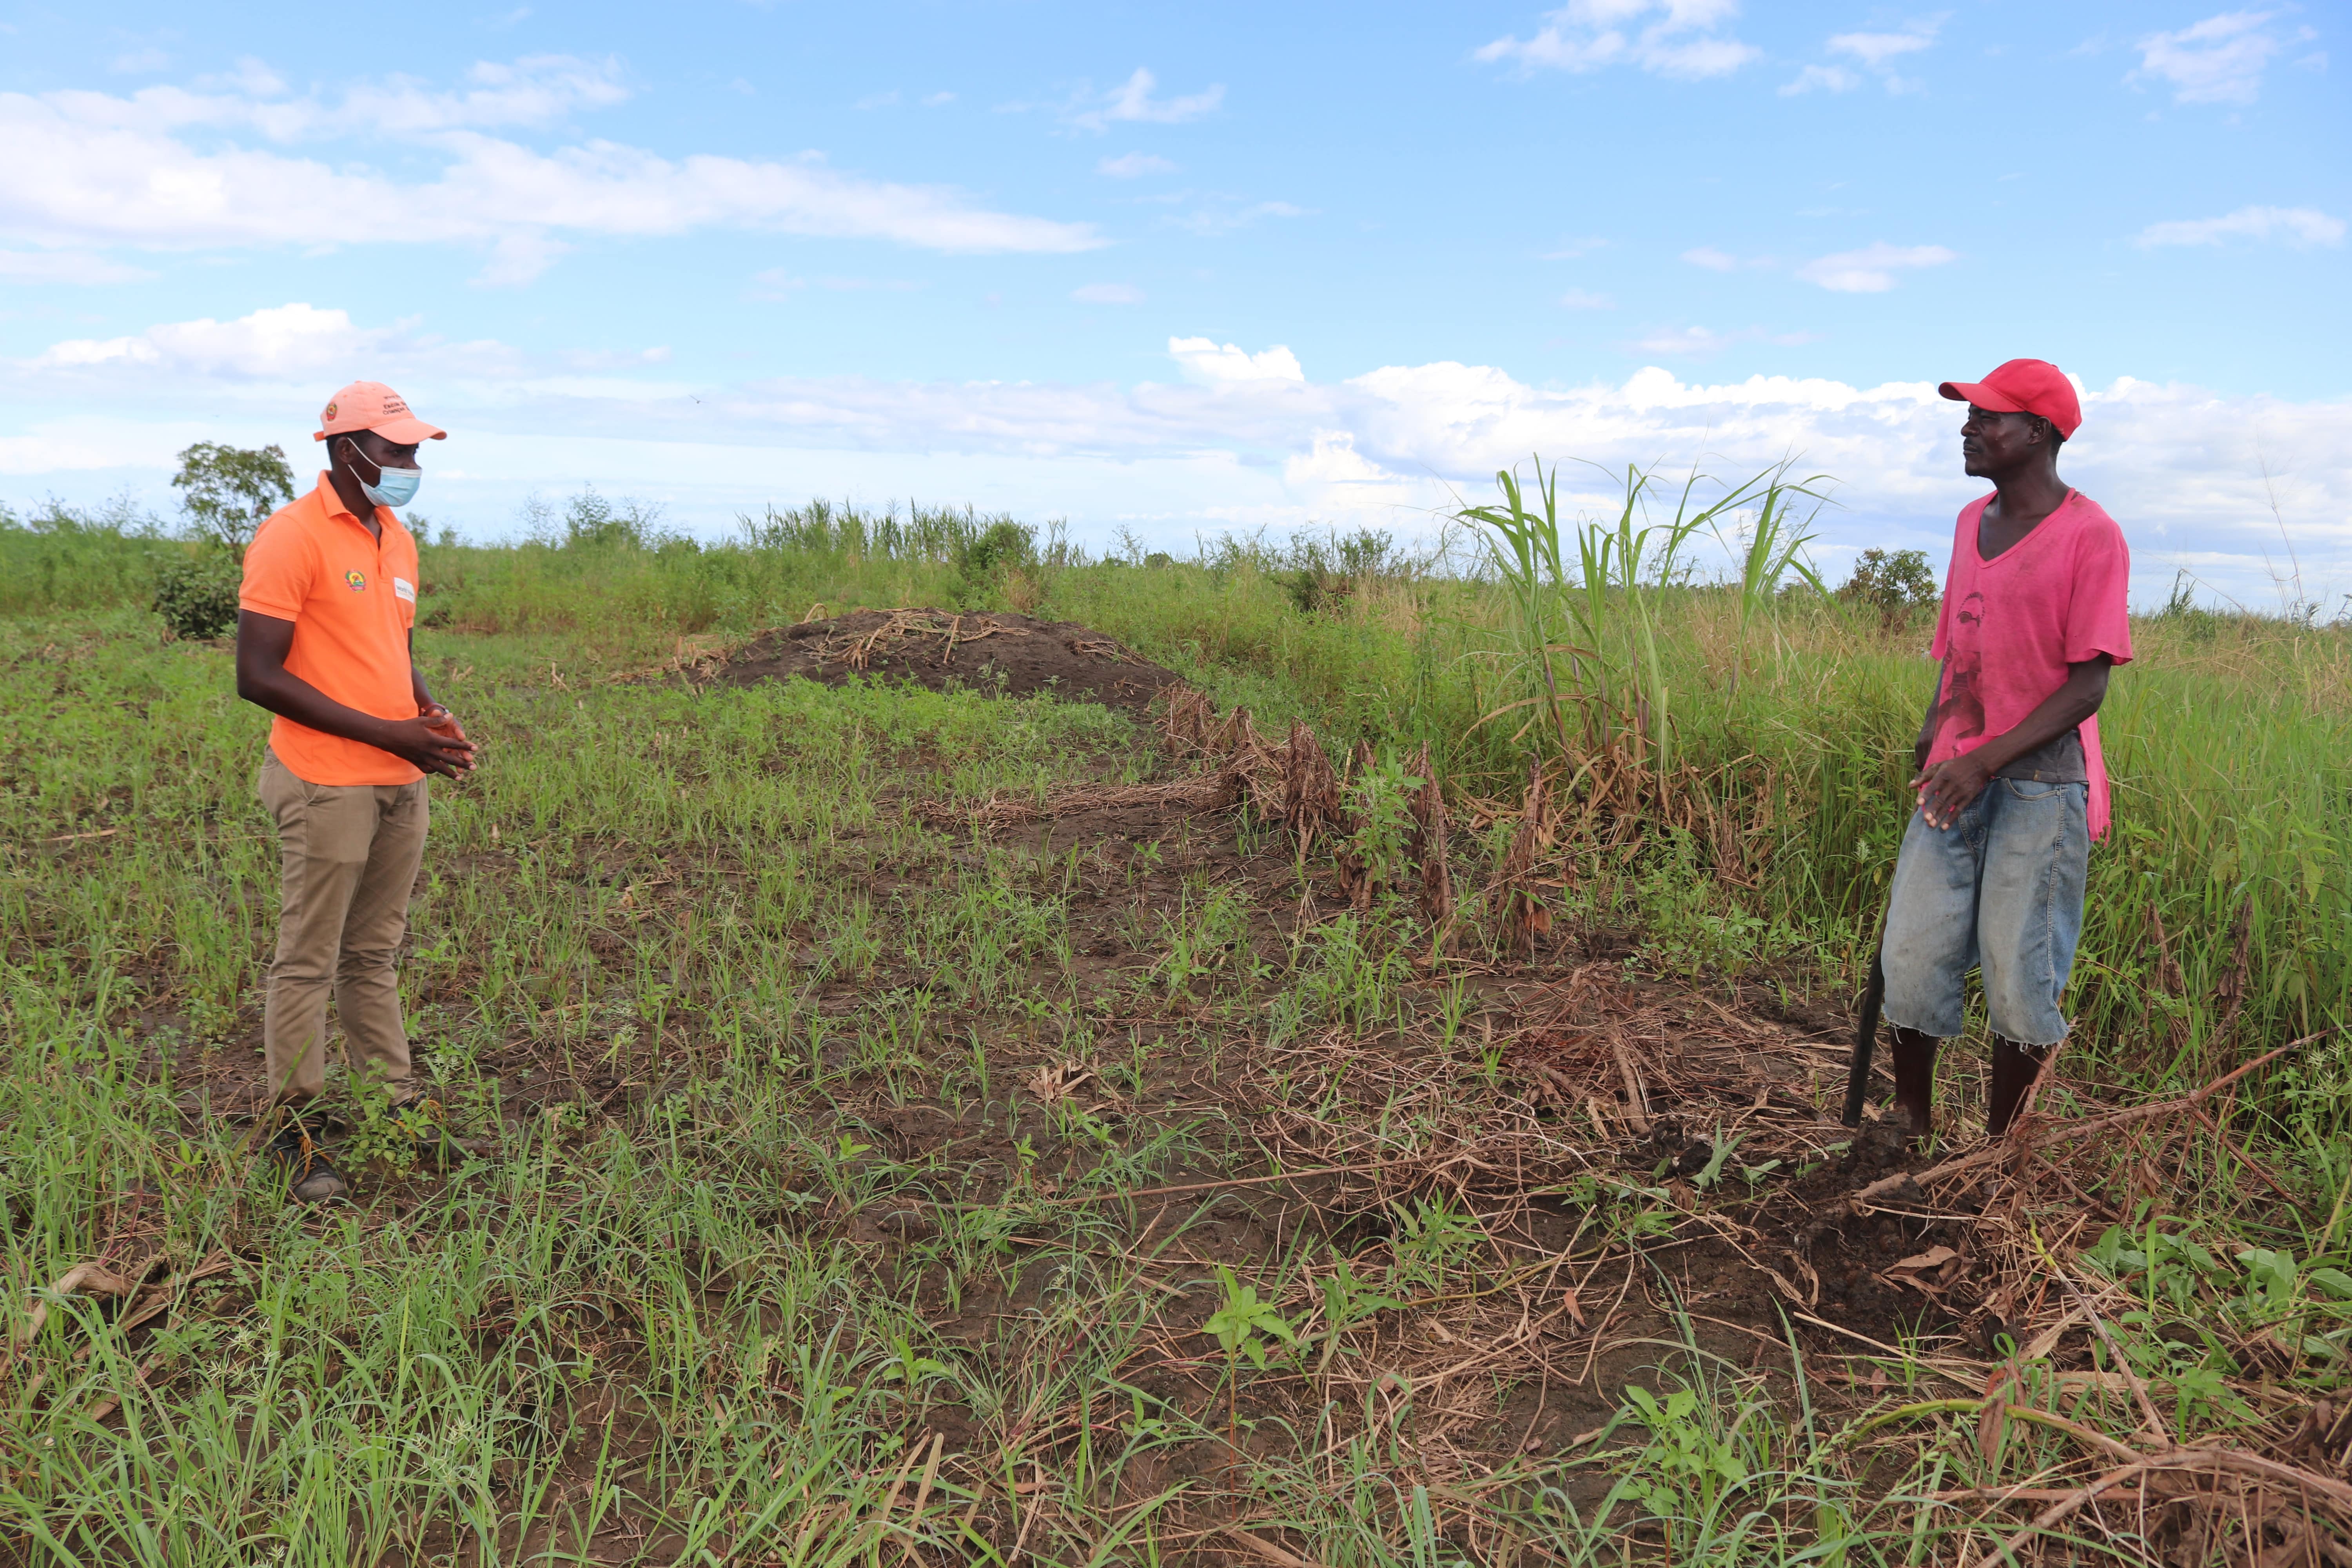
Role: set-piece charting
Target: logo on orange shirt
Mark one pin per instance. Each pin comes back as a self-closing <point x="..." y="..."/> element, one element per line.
<point x="357" y="579"/>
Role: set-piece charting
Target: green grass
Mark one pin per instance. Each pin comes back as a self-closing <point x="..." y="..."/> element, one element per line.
<point x="726" y="1278"/>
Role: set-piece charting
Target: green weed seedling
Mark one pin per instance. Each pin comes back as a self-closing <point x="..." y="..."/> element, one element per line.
<point x="383" y="1134"/>
<point x="1381" y="798"/>
<point x="1700" y="1473"/>
<point x="1243" y="1326"/>
<point x="1429" y="1239"/>
<point x="1346" y="1301"/>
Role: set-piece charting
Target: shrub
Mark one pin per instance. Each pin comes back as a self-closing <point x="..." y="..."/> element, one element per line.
<point x="1002" y="546"/>
<point x="197" y="594"/>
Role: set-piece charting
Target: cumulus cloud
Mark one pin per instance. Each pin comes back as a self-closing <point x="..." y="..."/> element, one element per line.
<point x="1133" y="102"/>
<point x="1242" y="438"/>
<point x="1108" y="294"/>
<point x="1679" y="39"/>
<point x="1871" y="270"/>
<point x="1134" y="165"/>
<point x="286" y="341"/>
<point x="1877" y="53"/>
<point x="94" y="170"/>
<point x="2286" y="225"/>
<point x="2217" y="60"/>
<point x="1206" y="360"/>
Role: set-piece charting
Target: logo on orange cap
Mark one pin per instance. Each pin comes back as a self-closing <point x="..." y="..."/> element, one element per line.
<point x="372" y="406"/>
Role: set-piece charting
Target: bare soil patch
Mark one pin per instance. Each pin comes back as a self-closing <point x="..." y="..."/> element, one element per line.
<point x="997" y="652"/>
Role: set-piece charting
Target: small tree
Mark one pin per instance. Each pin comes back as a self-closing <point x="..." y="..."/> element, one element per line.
<point x="227" y="491"/>
<point x="1892" y="583"/>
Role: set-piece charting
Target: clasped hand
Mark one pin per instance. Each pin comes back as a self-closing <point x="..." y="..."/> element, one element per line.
<point x="433" y="741"/>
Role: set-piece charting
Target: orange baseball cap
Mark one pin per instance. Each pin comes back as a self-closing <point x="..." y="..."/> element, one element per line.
<point x="372" y="406"/>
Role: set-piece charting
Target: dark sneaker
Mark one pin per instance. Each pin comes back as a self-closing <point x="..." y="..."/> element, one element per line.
<point x="310" y="1179"/>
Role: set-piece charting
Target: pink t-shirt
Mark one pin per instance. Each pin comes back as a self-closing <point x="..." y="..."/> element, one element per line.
<point x="2009" y="626"/>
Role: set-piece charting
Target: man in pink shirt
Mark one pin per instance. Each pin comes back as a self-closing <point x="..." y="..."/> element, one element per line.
<point x="2011" y="785"/>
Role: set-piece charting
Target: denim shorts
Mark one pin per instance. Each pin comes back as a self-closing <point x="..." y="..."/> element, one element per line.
<point x="2001" y="888"/>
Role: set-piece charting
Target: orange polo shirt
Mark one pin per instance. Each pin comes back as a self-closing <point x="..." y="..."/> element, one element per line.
<point x="353" y="600"/>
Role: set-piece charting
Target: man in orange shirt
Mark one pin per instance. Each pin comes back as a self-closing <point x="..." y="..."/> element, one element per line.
<point x="324" y="627"/>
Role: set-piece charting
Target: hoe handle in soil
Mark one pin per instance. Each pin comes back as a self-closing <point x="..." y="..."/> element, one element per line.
<point x="1865" y="1035"/>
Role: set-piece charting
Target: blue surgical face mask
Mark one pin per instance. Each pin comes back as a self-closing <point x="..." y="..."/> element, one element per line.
<point x="393" y="486"/>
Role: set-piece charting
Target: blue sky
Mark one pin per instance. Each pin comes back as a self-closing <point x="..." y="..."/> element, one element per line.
<point x="1181" y="268"/>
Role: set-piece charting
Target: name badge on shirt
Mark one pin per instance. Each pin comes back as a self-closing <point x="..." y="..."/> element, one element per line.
<point x="402" y="588"/>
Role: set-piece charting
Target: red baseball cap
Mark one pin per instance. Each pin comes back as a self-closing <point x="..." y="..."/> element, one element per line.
<point x="372" y="406"/>
<point x="2023" y="386"/>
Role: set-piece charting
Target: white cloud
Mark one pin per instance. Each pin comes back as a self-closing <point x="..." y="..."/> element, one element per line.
<point x="286" y="340"/>
<point x="1876" y="49"/>
<point x="939" y="99"/>
<point x="1877" y="53"/>
<point x="1132" y="102"/>
<point x="2218" y="60"/>
<point x="1206" y="360"/>
<point x="140" y="62"/>
<point x="1245" y="439"/>
<point x="2289" y="225"/>
<point x="1679" y="39"/>
<point x="1575" y="249"/>
<point x="1133" y="165"/>
<point x="539" y="89"/>
<point x="65" y="267"/>
<point x="1828" y="79"/>
<point x="90" y="169"/>
<point x="1871" y="270"/>
<point x="1108" y="294"/>
<point x="1579" y="300"/>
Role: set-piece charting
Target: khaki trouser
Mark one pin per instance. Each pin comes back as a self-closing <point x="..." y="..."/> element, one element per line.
<point x="347" y="856"/>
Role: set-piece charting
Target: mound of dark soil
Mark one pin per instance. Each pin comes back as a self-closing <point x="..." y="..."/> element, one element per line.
<point x="998" y="653"/>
